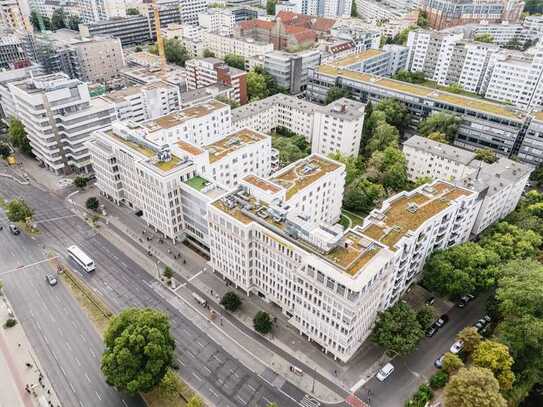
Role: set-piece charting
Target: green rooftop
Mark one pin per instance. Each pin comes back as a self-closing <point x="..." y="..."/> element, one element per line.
<point x="197" y="182"/>
<point x="168" y="165"/>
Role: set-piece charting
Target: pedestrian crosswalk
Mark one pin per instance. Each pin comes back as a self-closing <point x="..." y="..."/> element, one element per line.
<point x="354" y="401"/>
<point x="309" y="401"/>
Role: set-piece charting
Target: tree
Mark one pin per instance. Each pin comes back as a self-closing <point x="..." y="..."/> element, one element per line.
<point x="362" y="195"/>
<point x="235" y="60"/>
<point x="439" y="137"/>
<point x="270" y="7"/>
<point x="35" y="20"/>
<point x="58" y="19"/>
<point x="138" y="48"/>
<point x="426" y="316"/>
<point x="486" y="155"/>
<point x="17" y="136"/>
<point x="5" y="150"/>
<point x="473" y="387"/>
<point x="465" y="268"/>
<point x="515" y="44"/>
<point x="175" y="51"/>
<point x="397" y="329"/>
<point x="131" y="11"/>
<point x="80" y="182"/>
<point x="354" y="9"/>
<point x="335" y="93"/>
<point x="262" y="322"/>
<point x="470" y="337"/>
<point x="354" y="166"/>
<point x="401" y="38"/>
<point x="455" y="88"/>
<point x="422" y="181"/>
<point x="208" y="53"/>
<point x="256" y="85"/>
<point x="231" y="301"/>
<point x="495" y="356"/>
<point x="168" y="272"/>
<point x="389" y="168"/>
<point x="442" y="122"/>
<point x="510" y="242"/>
<point x="422" y="20"/>
<point x="384" y="135"/>
<point x="18" y="211"/>
<point x="485" y="37"/>
<point x="408" y="76"/>
<point x="421" y="397"/>
<point x="73" y="22"/>
<point x="167" y="388"/>
<point x="396" y="113"/>
<point x="92" y="203"/>
<point x="138" y="350"/>
<point x="372" y="119"/>
<point x="533" y="6"/>
<point x="195" y="401"/>
<point x="439" y="380"/>
<point x="288" y="150"/>
<point x="233" y="103"/>
<point x="451" y="363"/>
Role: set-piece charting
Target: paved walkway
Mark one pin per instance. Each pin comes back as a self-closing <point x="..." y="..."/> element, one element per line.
<point x="15" y="375"/>
<point x="189" y="266"/>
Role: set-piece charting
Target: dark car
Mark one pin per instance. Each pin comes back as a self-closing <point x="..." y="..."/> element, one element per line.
<point x="439" y="361"/>
<point x="464" y="300"/>
<point x="430" y="301"/>
<point x="431" y="331"/>
<point x="443" y="319"/>
<point x="14" y="229"/>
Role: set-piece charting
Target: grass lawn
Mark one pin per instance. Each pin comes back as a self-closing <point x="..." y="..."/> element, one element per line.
<point x="355" y="219"/>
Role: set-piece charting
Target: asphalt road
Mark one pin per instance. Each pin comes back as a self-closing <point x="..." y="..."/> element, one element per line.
<point x="416" y="368"/>
<point x="61" y="335"/>
<point x="205" y="365"/>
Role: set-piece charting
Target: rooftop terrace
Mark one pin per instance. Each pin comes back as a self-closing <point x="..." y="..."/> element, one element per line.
<point x="241" y="138"/>
<point x="303" y="173"/>
<point x="410" y="211"/>
<point x="356" y="58"/>
<point x="261" y="183"/>
<point x="484" y="106"/>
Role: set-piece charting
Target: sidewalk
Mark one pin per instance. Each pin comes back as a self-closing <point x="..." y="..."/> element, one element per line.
<point x="15" y="374"/>
<point x="284" y="338"/>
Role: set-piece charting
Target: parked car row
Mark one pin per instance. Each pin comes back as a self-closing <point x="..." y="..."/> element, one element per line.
<point x="443" y="319"/>
<point x="464" y="300"/>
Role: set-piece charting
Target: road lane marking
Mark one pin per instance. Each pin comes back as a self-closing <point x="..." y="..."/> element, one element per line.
<point x="77" y="361"/>
<point x="83" y="338"/>
<point x="88" y="378"/>
<point x="243" y="401"/>
<point x="212" y="392"/>
<point x="71" y="385"/>
<point x="68" y="346"/>
<point x="45" y="339"/>
<point x="251" y="387"/>
<point x="198" y="377"/>
<point x="124" y="402"/>
<point x="181" y="363"/>
<point x="206" y="368"/>
<point x="98" y="395"/>
<point x="92" y="353"/>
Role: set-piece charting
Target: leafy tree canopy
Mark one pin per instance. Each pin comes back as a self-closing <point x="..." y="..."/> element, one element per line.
<point x="18" y="211"/>
<point x="362" y="195"/>
<point x="473" y="387"/>
<point x="485" y="37"/>
<point x="442" y="122"/>
<point x="384" y="135"/>
<point x="335" y="93"/>
<point x="17" y="136"/>
<point x="138" y="350"/>
<point x="231" y="301"/>
<point x="389" y="168"/>
<point x="510" y="242"/>
<point x="262" y="322"/>
<point x="451" y="363"/>
<point x="470" y="337"/>
<point x="439" y="137"/>
<point x="408" y="76"/>
<point x="396" y="113"/>
<point x="235" y="61"/>
<point x="487" y="155"/>
<point x="426" y="316"/>
<point x="495" y="356"/>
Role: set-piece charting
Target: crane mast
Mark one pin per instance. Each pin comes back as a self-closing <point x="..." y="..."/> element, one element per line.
<point x="159" y="41"/>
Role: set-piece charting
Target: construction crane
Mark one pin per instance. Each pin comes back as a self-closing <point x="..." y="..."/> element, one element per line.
<point x="159" y="41"/>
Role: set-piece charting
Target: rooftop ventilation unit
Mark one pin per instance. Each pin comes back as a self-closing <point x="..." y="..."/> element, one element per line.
<point x="412" y="207"/>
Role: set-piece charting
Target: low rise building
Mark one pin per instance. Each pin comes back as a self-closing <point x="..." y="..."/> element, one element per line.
<point x="59" y="117"/>
<point x="144" y="102"/>
<point x="208" y="71"/>
<point x="382" y="62"/>
<point x="290" y="69"/>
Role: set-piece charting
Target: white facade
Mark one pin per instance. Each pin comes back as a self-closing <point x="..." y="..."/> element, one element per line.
<point x="59" y="117"/>
<point x="244" y="47"/>
<point x="190" y="9"/>
<point x="333" y="128"/>
<point x="217" y="20"/>
<point x="144" y="102"/>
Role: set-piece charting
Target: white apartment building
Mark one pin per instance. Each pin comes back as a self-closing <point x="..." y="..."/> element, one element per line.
<point x="290" y="69"/>
<point x="336" y="127"/>
<point x="244" y="47"/>
<point x="14" y="14"/>
<point x="190" y="9"/>
<point x="322" y="8"/>
<point x="144" y="102"/>
<point x="499" y="185"/>
<point x="59" y="117"/>
<point x="331" y="283"/>
<point x="217" y="20"/>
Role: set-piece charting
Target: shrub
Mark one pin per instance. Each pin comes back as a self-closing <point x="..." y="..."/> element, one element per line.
<point x="439" y="380"/>
<point x="168" y="272"/>
<point x="421" y="397"/>
<point x="11" y="322"/>
<point x="81" y="182"/>
<point x="92" y="203"/>
<point x="231" y="301"/>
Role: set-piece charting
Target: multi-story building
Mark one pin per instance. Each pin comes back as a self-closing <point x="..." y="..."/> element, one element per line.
<point x="59" y="117"/>
<point x="364" y="36"/>
<point x="484" y="124"/>
<point x="144" y="102"/>
<point x="12" y="52"/>
<point x="244" y="47"/>
<point x="14" y="15"/>
<point x="449" y="13"/>
<point x="499" y="185"/>
<point x="384" y="10"/>
<point x="172" y="75"/>
<point x="323" y="8"/>
<point x="218" y="20"/>
<point x="531" y="149"/>
<point x="208" y="71"/>
<point x="98" y="59"/>
<point x="7" y="105"/>
<point x="329" y="129"/>
<point x="289" y="69"/>
<point x="191" y="9"/>
<point x="331" y="283"/>
<point x="382" y="62"/>
<point x="502" y="34"/>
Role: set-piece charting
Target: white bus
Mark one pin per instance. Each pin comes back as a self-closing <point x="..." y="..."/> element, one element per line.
<point x="81" y="258"/>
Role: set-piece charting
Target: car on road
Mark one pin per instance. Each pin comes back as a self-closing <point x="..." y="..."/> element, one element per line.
<point x="439" y="361"/>
<point x="443" y="319"/>
<point x="430" y="301"/>
<point x="51" y="279"/>
<point x="431" y="331"/>
<point x="384" y="372"/>
<point x="14" y="229"/>
<point x="457" y="347"/>
<point x="464" y="300"/>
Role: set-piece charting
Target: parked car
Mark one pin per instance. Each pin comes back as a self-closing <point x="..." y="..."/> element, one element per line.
<point x="487" y="318"/>
<point x="464" y="300"/>
<point x="51" y="279"/>
<point x="457" y="347"/>
<point x="14" y="229"/>
<point x="430" y="301"/>
<point x="384" y="372"/>
<point x="439" y="361"/>
<point x="431" y="331"/>
<point x="443" y="319"/>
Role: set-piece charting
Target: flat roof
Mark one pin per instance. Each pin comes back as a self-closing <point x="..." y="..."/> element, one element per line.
<point x="233" y="142"/>
<point x="189" y="148"/>
<point x="121" y="94"/>
<point x="303" y="173"/>
<point x="261" y="183"/>
<point x="408" y="211"/>
<point x="538" y="115"/>
<point x="452" y="153"/>
<point x="484" y="106"/>
<point x="357" y="58"/>
<point x="176" y="118"/>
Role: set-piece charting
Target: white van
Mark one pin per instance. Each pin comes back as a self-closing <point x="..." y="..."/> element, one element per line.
<point x="384" y="372"/>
